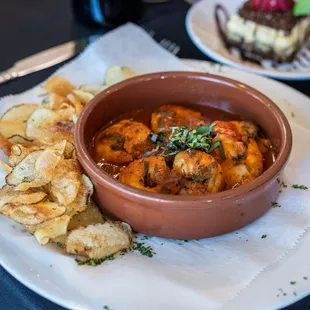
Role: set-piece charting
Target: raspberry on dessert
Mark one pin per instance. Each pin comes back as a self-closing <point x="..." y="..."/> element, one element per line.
<point x="272" y="5"/>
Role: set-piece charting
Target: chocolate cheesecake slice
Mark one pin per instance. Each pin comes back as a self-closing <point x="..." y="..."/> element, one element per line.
<point x="276" y="35"/>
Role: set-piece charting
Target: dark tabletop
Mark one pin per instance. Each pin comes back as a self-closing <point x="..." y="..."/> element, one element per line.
<point x="27" y="27"/>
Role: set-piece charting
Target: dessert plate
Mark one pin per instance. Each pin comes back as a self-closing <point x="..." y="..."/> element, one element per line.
<point x="203" y="30"/>
<point x="121" y="285"/>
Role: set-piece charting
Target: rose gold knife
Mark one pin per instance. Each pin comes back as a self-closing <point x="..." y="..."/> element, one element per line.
<point x="46" y="59"/>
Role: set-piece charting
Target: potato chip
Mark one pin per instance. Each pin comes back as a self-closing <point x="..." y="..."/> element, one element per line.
<point x="9" y="195"/>
<point x="5" y="167"/>
<point x="19" y="152"/>
<point x="83" y="96"/>
<point x="33" y="214"/>
<point x="60" y="240"/>
<point x="117" y="74"/>
<point x="17" y="139"/>
<point x="69" y="151"/>
<point x="5" y="145"/>
<point x="77" y="104"/>
<point x="93" y="89"/>
<point x="40" y="119"/>
<point x="50" y="229"/>
<point x="59" y="86"/>
<point x="82" y="199"/>
<point x="66" y="182"/>
<point x="56" y="102"/>
<point x="37" y="168"/>
<point x="47" y="126"/>
<point x="13" y="121"/>
<point x="100" y="240"/>
<point x="62" y="131"/>
<point x="90" y="216"/>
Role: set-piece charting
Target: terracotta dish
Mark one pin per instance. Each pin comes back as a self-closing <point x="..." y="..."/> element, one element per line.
<point x="184" y="217"/>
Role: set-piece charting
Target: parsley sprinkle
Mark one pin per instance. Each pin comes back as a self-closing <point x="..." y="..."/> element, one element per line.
<point x="26" y="180"/>
<point x="284" y="184"/>
<point x="94" y="261"/>
<point x="296" y="186"/>
<point x="274" y="204"/>
<point x="144" y="250"/>
<point x="264" y="236"/>
<point x="145" y="237"/>
<point x="305" y="278"/>
<point x="123" y="252"/>
<point x="106" y="308"/>
<point x="185" y="240"/>
<point x="182" y="139"/>
<point x="59" y="244"/>
<point x="293" y="282"/>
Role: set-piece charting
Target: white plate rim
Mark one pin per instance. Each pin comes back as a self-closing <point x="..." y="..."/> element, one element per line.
<point x="67" y="303"/>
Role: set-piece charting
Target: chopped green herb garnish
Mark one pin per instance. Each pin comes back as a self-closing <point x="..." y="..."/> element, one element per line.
<point x="222" y="152"/>
<point x="26" y="179"/>
<point x="264" y="236"/>
<point x="275" y="204"/>
<point x="59" y="244"/>
<point x="123" y="252"/>
<point x="182" y="138"/>
<point x="45" y="101"/>
<point x="305" y="278"/>
<point x="185" y="240"/>
<point x="145" y="237"/>
<point x="106" y="308"/>
<point x="94" y="261"/>
<point x="144" y="250"/>
<point x="283" y="184"/>
<point x="302" y="8"/>
<point x="296" y="186"/>
<point x="293" y="282"/>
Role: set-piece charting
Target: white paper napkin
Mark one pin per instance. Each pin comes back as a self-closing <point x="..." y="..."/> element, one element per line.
<point x="203" y="274"/>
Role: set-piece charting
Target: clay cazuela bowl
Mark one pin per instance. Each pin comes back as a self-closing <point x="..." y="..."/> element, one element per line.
<point x="184" y="217"/>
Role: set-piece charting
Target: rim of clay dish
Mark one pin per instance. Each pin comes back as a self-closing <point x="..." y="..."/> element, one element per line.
<point x="109" y="183"/>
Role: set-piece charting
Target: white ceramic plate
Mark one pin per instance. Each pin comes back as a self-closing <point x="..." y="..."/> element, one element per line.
<point x="56" y="276"/>
<point x="202" y="29"/>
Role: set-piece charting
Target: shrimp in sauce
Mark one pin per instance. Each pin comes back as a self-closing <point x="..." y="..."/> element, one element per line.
<point x="123" y="142"/>
<point x="201" y="172"/>
<point x="190" y="159"/>
<point x="239" y="154"/>
<point x="168" y="116"/>
<point x="151" y="174"/>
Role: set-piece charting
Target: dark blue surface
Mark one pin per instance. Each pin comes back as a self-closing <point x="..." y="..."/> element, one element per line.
<point x="27" y="27"/>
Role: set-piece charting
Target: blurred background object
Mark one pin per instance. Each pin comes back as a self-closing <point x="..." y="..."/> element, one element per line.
<point x="106" y="12"/>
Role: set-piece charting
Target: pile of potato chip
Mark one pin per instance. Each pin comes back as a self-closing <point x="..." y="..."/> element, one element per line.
<point x="46" y="189"/>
